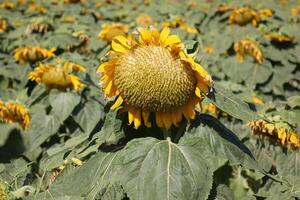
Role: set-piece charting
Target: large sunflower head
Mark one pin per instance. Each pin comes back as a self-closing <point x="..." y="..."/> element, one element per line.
<point x="60" y="76"/>
<point x="152" y="73"/>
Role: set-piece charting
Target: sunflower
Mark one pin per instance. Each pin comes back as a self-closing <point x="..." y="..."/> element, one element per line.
<point x="74" y="1"/>
<point x="32" y="54"/>
<point x="245" y="47"/>
<point x="179" y="22"/>
<point x="279" y="38"/>
<point x="36" y="8"/>
<point x="153" y="74"/>
<point x="243" y="16"/>
<point x="144" y="20"/>
<point x="58" y="76"/>
<point x="280" y="131"/>
<point x="7" y="5"/>
<point x="109" y="31"/>
<point x="3" y="25"/>
<point x="14" y="112"/>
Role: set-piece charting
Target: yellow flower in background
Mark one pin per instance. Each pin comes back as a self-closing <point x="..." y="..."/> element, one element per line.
<point x="245" y="47"/>
<point x="266" y="12"/>
<point x="34" y="7"/>
<point x="283" y="134"/>
<point x="37" y="27"/>
<point x="180" y="23"/>
<point x="14" y="112"/>
<point x="109" y="31"/>
<point x="3" y="25"/>
<point x="213" y="110"/>
<point x="257" y="100"/>
<point x="32" y="54"/>
<point x="7" y="5"/>
<point x="278" y="37"/>
<point x="58" y="76"/>
<point x="144" y="20"/>
<point x="208" y="50"/>
<point x="243" y="16"/>
<point x="153" y="74"/>
<point x="74" y="1"/>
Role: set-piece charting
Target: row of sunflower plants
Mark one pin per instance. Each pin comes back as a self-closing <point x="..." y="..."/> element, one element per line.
<point x="175" y="110"/>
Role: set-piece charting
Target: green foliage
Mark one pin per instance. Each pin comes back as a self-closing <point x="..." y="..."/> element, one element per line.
<point x="76" y="148"/>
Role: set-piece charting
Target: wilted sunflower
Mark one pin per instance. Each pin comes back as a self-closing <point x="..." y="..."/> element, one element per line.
<point x="7" y="5"/>
<point x="74" y="1"/>
<point x="243" y="16"/>
<point x="144" y="20"/>
<point x="36" y="8"/>
<point x="280" y="131"/>
<point x="32" y="54"/>
<point x="179" y="22"/>
<point x="3" y="25"/>
<point x="14" y="112"/>
<point x="153" y="74"/>
<point x="109" y="31"/>
<point x="58" y="76"/>
<point x="279" y="37"/>
<point x="250" y="47"/>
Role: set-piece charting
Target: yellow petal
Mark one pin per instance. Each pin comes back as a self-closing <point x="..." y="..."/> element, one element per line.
<point x="137" y="118"/>
<point x="145" y="35"/>
<point x="118" y="103"/>
<point x="108" y="88"/>
<point x="164" y="35"/>
<point x="130" y="115"/>
<point x="176" y="117"/>
<point x="146" y="115"/>
<point x="167" y="120"/>
<point x="118" y="47"/>
<point x="158" y="119"/>
<point x="173" y="39"/>
<point x="122" y="40"/>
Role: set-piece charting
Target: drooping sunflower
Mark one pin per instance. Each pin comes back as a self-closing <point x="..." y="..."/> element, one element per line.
<point x="58" y="76"/>
<point x="14" y="112"/>
<point x="250" y="47"/>
<point x="244" y="15"/>
<point x="109" y="31"/>
<point x="32" y="54"/>
<point x="280" y="131"/>
<point x="3" y="25"/>
<point x="152" y="73"/>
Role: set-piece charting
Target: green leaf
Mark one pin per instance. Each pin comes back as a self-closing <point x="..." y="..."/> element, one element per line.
<point x="42" y="127"/>
<point x="63" y="103"/>
<point x="155" y="169"/>
<point x="112" y="130"/>
<point x="92" y="178"/>
<point x="89" y="115"/>
<point x="221" y="142"/>
<point x="231" y="104"/>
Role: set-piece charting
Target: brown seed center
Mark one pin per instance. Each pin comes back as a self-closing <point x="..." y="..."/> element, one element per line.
<point x="151" y="78"/>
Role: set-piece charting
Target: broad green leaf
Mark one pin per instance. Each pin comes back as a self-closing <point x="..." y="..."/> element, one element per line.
<point x="221" y="142"/>
<point x="5" y="132"/>
<point x="63" y="103"/>
<point x="89" y="115"/>
<point x="231" y="104"/>
<point x="112" y="130"/>
<point x="42" y="127"/>
<point x="93" y="178"/>
<point x="155" y="169"/>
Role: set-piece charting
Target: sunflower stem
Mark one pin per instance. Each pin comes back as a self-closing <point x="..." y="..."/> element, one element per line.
<point x="167" y="133"/>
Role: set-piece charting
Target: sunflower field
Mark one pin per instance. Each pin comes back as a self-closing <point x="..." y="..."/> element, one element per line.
<point x="150" y="99"/>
